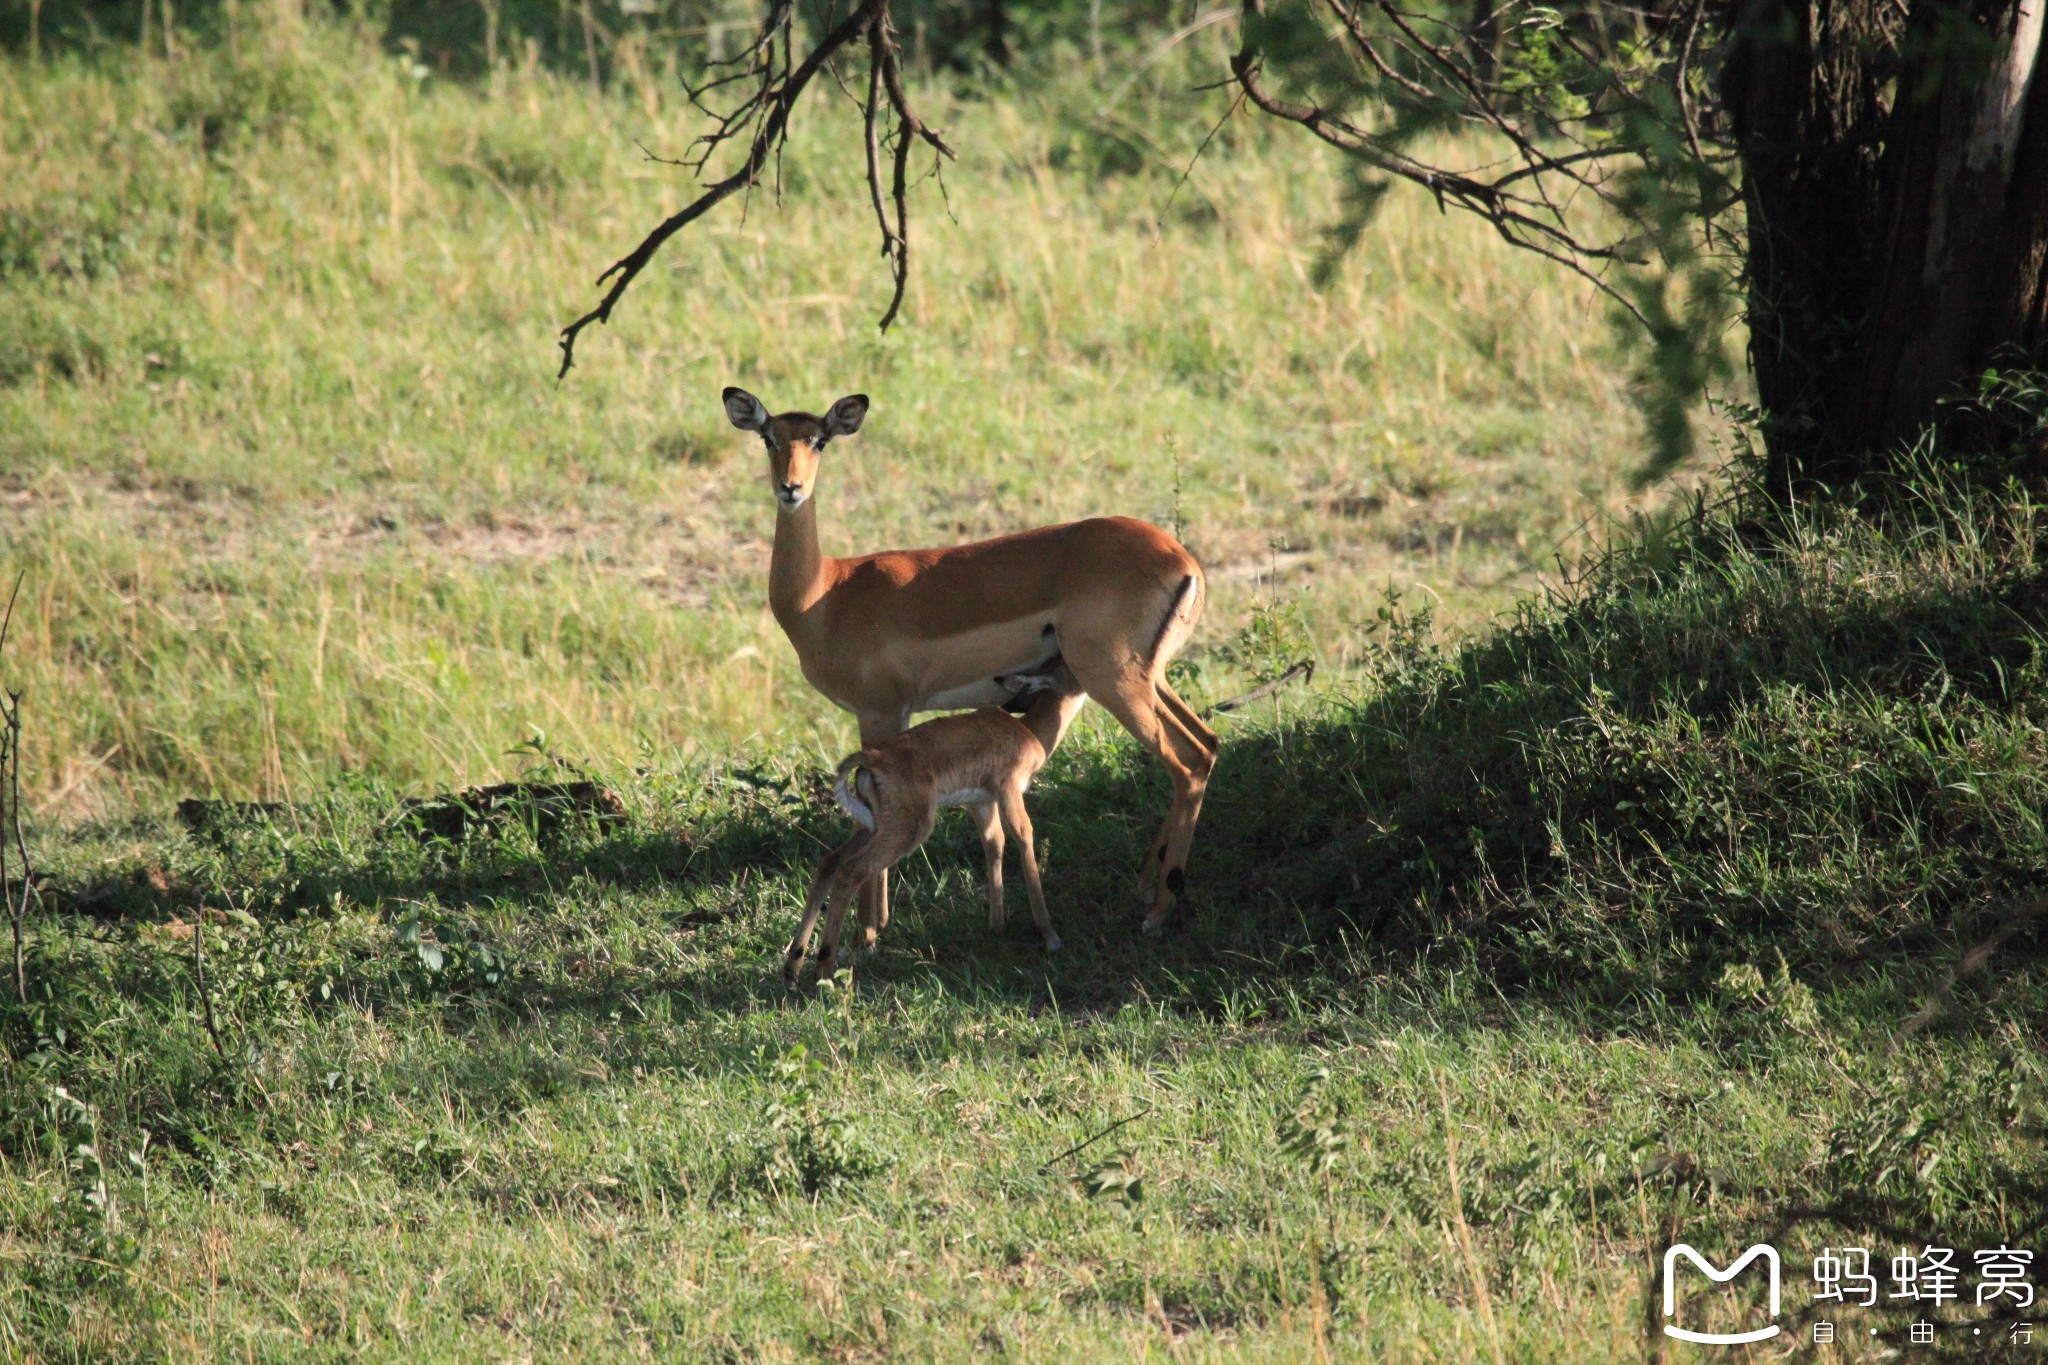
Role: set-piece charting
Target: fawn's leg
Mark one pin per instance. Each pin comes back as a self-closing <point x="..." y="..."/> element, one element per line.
<point x="991" y="826"/>
<point x="874" y="892"/>
<point x="1019" y="822"/>
<point x="897" y="832"/>
<point x="823" y="885"/>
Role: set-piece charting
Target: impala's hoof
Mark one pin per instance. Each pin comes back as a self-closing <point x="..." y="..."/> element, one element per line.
<point x="1053" y="944"/>
<point x="1151" y="928"/>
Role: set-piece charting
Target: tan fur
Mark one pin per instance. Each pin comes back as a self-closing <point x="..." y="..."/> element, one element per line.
<point x="887" y="635"/>
<point x="983" y="760"/>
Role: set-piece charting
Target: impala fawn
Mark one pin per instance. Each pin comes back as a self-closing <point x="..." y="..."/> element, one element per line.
<point x="893" y="791"/>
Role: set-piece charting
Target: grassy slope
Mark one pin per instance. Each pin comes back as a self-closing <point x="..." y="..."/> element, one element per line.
<point x="1648" y="964"/>
<point x="281" y="451"/>
<point x="1607" y="922"/>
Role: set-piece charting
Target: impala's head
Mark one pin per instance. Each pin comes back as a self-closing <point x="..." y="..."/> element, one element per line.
<point x="794" y="440"/>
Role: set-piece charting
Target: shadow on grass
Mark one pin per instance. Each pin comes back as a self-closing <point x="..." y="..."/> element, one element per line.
<point x="1708" y="754"/>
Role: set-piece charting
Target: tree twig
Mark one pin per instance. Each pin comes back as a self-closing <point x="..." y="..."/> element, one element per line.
<point x="763" y="116"/>
<point x="1416" y="72"/>
<point x="772" y="106"/>
<point x="199" y="970"/>
<point x="1305" y="669"/>
<point x="1090" y="1142"/>
<point x="10" y="808"/>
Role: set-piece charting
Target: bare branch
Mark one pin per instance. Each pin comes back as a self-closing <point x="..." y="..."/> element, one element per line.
<point x="762" y="117"/>
<point x="898" y="194"/>
<point x="772" y="104"/>
<point x="1189" y="169"/>
<point x="199" y="972"/>
<point x="10" y="806"/>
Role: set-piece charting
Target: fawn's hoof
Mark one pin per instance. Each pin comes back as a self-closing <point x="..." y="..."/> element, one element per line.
<point x="1053" y="944"/>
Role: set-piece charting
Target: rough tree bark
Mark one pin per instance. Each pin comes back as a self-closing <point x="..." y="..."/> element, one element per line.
<point x="1895" y="167"/>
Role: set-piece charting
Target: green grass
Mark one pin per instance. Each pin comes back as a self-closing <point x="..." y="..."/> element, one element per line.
<point x="1641" y="920"/>
<point x="282" y="455"/>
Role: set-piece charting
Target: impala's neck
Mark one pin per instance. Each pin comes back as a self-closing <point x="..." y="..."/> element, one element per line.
<point x="796" y="573"/>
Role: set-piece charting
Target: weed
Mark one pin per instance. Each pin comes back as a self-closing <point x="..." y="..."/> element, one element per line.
<point x="1116" y="1177"/>
<point x="442" y="958"/>
<point x="802" y="1148"/>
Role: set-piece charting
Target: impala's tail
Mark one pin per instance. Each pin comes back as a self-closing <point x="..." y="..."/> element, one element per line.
<point x="1180" y="619"/>
<point x="853" y="787"/>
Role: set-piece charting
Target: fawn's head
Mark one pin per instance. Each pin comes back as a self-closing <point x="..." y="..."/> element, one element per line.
<point x="795" y="440"/>
<point x="1046" y="699"/>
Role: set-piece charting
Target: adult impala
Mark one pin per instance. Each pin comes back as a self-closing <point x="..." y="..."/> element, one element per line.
<point x="891" y="634"/>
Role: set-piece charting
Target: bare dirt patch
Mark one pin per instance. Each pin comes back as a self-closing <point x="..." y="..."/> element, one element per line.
<point x="681" y="558"/>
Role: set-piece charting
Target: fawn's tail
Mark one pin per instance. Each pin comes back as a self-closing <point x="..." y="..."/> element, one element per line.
<point x="853" y="787"/>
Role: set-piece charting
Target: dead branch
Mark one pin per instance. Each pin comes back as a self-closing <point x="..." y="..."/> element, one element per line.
<point x="1304" y="670"/>
<point x="10" y="809"/>
<point x="199" y="971"/>
<point x="546" y="808"/>
<point x="769" y="106"/>
<point x="761" y="117"/>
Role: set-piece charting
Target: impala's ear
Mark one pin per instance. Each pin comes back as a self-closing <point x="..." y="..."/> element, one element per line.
<point x="744" y="410"/>
<point x="844" y="417"/>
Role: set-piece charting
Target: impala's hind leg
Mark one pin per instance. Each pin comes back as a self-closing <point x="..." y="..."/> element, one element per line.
<point x="1147" y="707"/>
<point x="1167" y="861"/>
<point x="991" y="827"/>
<point x="1192" y="730"/>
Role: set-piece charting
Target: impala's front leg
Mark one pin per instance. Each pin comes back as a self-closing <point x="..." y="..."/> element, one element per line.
<point x="874" y="892"/>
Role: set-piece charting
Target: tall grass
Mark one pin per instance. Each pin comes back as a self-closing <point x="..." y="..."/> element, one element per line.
<point x="282" y="455"/>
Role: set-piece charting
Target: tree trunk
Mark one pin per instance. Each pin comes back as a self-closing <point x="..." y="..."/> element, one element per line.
<point x="998" y="31"/>
<point x="1895" y="165"/>
<point x="1483" y="34"/>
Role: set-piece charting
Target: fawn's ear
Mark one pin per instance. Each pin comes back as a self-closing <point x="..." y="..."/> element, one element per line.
<point x="844" y="417"/>
<point x="745" y="411"/>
